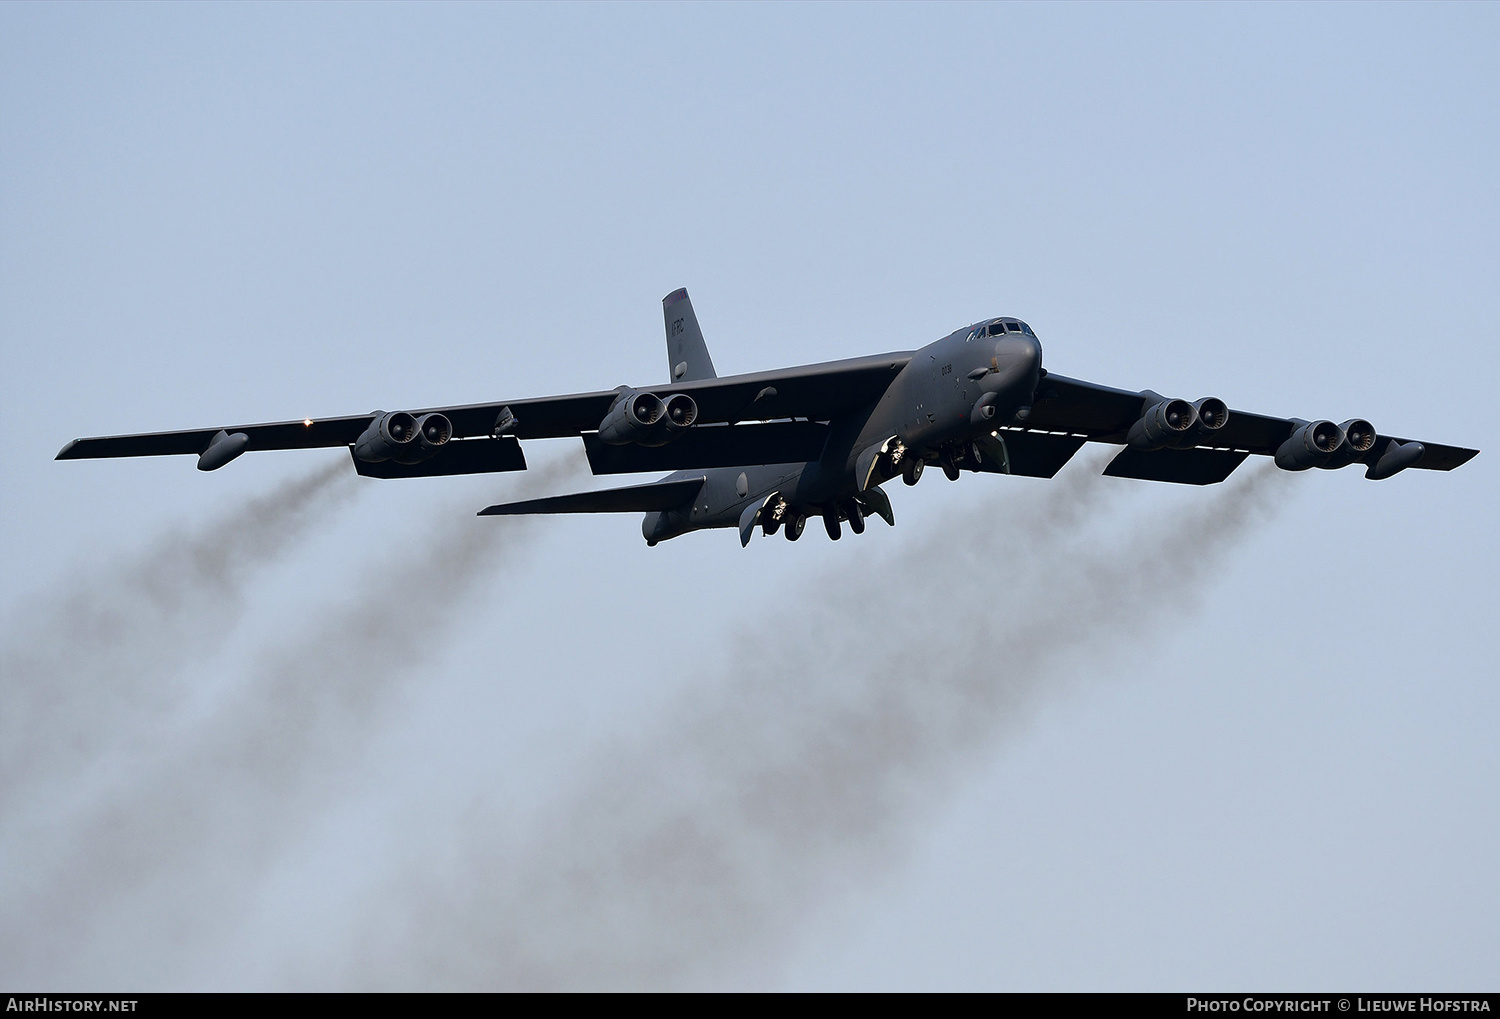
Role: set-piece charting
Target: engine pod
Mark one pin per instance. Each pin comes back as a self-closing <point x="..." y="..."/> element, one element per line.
<point x="1311" y="445"/>
<point x="1359" y="438"/>
<point x="387" y="437"/>
<point x="634" y="418"/>
<point x="1165" y="423"/>
<point x="1213" y="414"/>
<point x="679" y="413"/>
<point x="432" y="433"/>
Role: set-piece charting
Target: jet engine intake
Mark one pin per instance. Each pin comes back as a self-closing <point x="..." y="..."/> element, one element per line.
<point x="1313" y="444"/>
<point x="389" y="436"/>
<point x="634" y="418"/>
<point x="1359" y="437"/>
<point x="433" y="433"/>
<point x="1213" y="414"/>
<point x="1177" y="424"/>
<point x="680" y="413"/>
<point x="1165" y="423"/>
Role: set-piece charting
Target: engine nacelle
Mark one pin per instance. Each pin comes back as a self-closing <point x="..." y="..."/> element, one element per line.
<point x="433" y="433"/>
<point x="1313" y="444"/>
<point x="1213" y="414"/>
<point x="1359" y="437"/>
<point x="680" y="413"/>
<point x="1165" y="423"/>
<point x="634" y="418"/>
<point x="390" y="435"/>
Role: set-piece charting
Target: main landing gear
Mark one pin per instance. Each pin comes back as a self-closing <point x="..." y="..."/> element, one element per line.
<point x="779" y="516"/>
<point x="911" y="469"/>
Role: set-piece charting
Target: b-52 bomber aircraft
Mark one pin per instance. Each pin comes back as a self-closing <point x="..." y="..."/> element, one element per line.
<point x="769" y="450"/>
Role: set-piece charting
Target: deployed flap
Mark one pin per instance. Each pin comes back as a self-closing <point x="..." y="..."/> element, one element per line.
<point x="660" y="495"/>
<point x="687" y="354"/>
<point x="713" y="446"/>
<point x="473" y="456"/>
<point x="1028" y="454"/>
<point x="1182" y="466"/>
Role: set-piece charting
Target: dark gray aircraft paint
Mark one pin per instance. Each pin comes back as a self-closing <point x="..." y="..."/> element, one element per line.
<point x="772" y="449"/>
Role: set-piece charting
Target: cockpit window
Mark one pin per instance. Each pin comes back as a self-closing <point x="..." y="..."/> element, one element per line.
<point x="1027" y="329"/>
<point x="996" y="328"/>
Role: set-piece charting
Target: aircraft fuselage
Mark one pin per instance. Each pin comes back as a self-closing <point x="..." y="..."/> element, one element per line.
<point x="950" y="392"/>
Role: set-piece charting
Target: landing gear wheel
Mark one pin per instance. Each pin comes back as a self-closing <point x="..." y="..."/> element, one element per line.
<point x="856" y="518"/>
<point x="911" y="470"/>
<point x="950" y="470"/>
<point x="831" y="523"/>
<point x="769" y="525"/>
<point x="794" y="526"/>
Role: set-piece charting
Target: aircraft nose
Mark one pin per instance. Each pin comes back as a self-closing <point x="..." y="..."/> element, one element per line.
<point x="1019" y="355"/>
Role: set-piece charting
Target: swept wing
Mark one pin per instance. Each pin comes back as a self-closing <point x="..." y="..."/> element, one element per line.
<point x="813" y="393"/>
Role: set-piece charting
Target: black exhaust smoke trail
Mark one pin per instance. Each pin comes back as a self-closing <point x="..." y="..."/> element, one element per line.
<point x="81" y="670"/>
<point x="167" y="858"/>
<point x="802" y="768"/>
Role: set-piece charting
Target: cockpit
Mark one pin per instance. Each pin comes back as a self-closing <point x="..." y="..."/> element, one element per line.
<point x="1000" y="327"/>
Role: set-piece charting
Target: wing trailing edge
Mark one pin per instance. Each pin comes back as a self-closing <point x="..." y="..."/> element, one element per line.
<point x="705" y="446"/>
<point x="1197" y="466"/>
<point x="466" y="456"/>
<point x="660" y="495"/>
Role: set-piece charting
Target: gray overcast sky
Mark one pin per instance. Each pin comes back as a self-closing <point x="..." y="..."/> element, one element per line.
<point x="1283" y="778"/>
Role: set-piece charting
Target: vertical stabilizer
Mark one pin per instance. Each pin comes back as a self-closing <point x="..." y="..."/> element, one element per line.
<point x="687" y="354"/>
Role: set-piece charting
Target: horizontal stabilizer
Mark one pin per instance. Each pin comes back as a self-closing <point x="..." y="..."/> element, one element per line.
<point x="1197" y="466"/>
<point x="472" y="456"/>
<point x="661" y="495"/>
<point x="778" y="442"/>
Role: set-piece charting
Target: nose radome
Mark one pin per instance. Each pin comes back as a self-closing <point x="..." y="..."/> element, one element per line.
<point x="1019" y="354"/>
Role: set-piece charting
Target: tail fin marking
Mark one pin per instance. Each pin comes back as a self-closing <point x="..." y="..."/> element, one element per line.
<point x="687" y="354"/>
